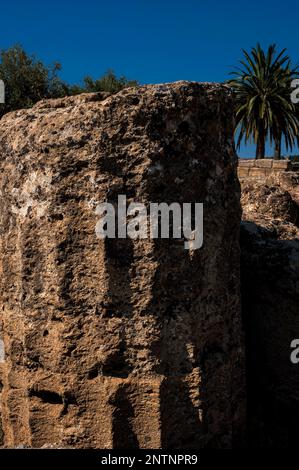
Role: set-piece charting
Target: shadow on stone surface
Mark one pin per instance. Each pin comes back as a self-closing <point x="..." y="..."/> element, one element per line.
<point x="270" y="299"/>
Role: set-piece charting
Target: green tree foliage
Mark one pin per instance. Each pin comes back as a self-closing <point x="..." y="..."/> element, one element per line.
<point x="27" y="80"/>
<point x="108" y="82"/>
<point x="264" y="108"/>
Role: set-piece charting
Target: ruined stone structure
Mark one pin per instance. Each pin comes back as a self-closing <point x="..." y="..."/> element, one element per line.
<point x="120" y="343"/>
<point x="270" y="300"/>
<point x="259" y="170"/>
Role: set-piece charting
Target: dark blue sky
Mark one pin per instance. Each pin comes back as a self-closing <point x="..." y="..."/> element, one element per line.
<point x="151" y="41"/>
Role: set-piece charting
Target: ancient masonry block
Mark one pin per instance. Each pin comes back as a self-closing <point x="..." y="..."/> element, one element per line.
<point x="120" y="343"/>
<point x="250" y="169"/>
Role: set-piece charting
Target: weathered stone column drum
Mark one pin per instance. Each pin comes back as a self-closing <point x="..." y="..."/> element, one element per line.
<point x="120" y="343"/>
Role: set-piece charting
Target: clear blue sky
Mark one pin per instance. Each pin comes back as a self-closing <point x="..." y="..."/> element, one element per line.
<point x="151" y="41"/>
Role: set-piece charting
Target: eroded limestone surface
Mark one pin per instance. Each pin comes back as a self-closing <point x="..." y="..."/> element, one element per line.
<point x="120" y="343"/>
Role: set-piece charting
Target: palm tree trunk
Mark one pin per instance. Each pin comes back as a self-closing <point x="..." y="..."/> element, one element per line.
<point x="277" y="152"/>
<point x="260" y="145"/>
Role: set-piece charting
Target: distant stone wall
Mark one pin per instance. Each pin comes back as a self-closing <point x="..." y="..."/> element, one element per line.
<point x="262" y="168"/>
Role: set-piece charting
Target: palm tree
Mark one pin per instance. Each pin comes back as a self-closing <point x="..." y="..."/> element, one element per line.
<point x="263" y="104"/>
<point x="285" y="122"/>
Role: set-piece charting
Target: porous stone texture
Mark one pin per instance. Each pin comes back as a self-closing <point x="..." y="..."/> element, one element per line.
<point x="270" y="299"/>
<point x="120" y="343"/>
<point x="288" y="180"/>
<point x="270" y="204"/>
